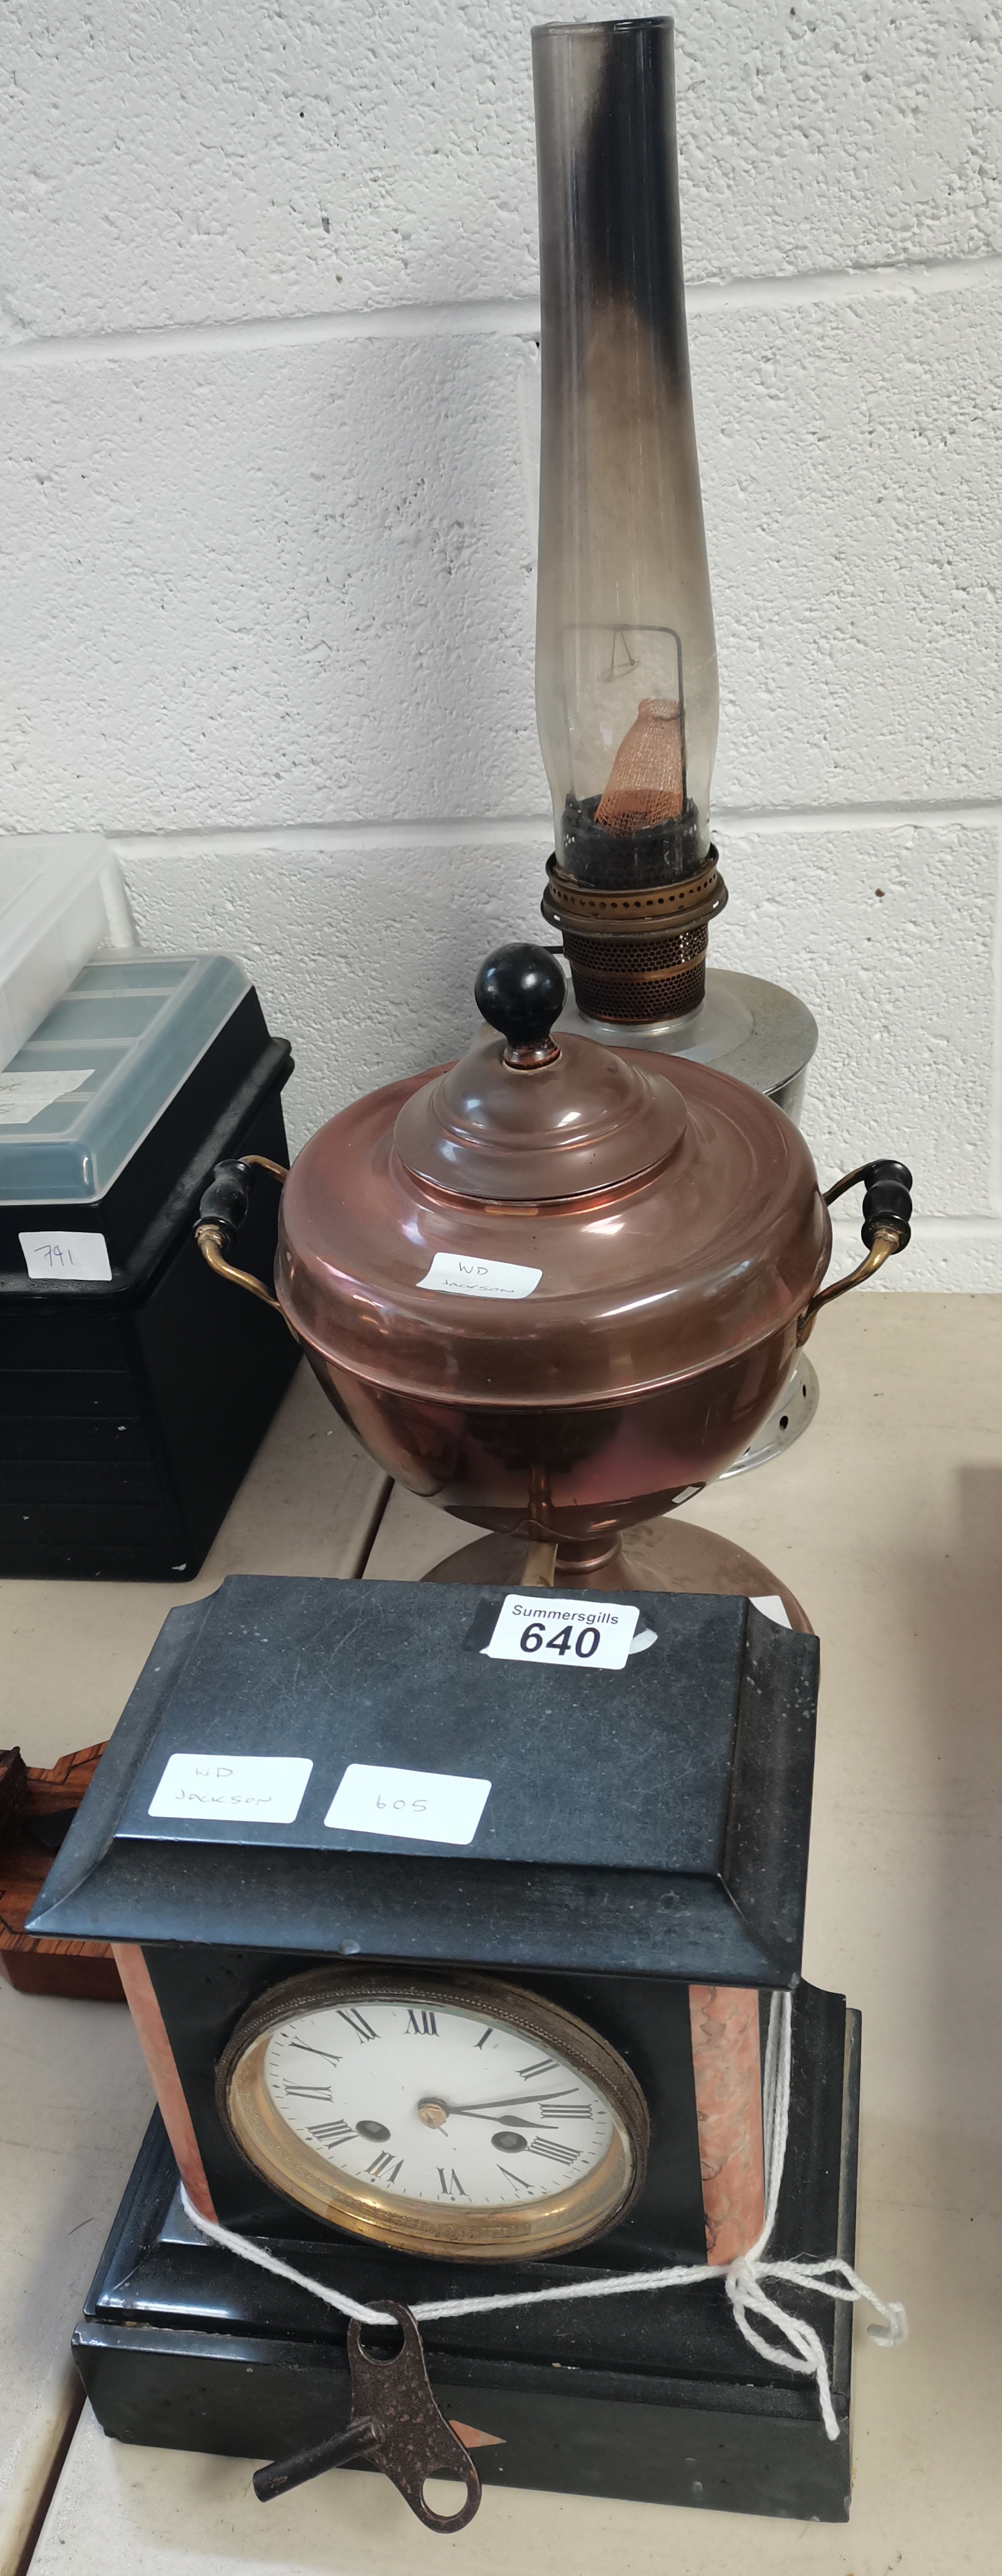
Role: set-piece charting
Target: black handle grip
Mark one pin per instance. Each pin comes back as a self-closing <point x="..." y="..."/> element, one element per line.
<point x="226" y="1200"/>
<point x="888" y="1201"/>
<point x="521" y="991"/>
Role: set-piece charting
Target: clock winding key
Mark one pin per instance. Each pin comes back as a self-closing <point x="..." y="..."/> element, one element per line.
<point x="396" y="2423"/>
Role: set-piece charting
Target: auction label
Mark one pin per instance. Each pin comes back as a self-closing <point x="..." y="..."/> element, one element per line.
<point x="771" y="1607"/>
<point x="65" y="1256"/>
<point x="23" y="1096"/>
<point x="461" y="1274"/>
<point x="233" y="1788"/>
<point x="420" y="1806"/>
<point x="572" y="1635"/>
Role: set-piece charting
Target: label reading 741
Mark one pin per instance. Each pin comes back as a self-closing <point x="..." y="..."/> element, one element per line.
<point x="568" y="1636"/>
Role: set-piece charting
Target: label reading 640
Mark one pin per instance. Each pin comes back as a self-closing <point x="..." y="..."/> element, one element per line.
<point x="569" y="1636"/>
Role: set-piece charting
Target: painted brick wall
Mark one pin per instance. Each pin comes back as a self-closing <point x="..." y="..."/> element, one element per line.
<point x="268" y="403"/>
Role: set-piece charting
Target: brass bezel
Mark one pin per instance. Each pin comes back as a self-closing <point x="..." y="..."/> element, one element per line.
<point x="572" y="2216"/>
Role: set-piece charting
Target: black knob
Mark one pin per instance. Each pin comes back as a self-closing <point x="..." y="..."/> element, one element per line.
<point x="521" y="991"/>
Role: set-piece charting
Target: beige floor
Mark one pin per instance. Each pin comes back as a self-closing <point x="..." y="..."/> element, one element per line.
<point x="887" y="1521"/>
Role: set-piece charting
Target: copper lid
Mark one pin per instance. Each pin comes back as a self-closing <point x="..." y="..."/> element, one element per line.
<point x="523" y="1119"/>
<point x="656" y="1222"/>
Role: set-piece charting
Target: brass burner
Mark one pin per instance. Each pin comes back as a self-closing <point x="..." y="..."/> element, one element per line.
<point x="636" y="955"/>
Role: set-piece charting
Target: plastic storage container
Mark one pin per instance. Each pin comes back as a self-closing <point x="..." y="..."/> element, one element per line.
<point x="132" y="1395"/>
<point x="52" y="917"/>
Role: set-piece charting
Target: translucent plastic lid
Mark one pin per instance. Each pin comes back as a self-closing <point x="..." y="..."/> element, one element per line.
<point x="83" y="1092"/>
<point x="52" y="917"/>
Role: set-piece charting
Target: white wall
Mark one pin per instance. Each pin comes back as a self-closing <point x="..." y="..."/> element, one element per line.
<point x="267" y="385"/>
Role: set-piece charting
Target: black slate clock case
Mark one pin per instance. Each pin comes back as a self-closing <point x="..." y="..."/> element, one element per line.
<point x="646" y="1830"/>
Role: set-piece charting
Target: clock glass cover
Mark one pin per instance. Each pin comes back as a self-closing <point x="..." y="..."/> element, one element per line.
<point x="454" y="2116"/>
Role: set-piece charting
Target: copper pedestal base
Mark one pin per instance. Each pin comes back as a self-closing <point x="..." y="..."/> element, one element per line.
<point x="659" y="1556"/>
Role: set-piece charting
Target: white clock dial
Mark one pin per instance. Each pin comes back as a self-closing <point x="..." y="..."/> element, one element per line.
<point x="464" y="2116"/>
<point x="434" y="2103"/>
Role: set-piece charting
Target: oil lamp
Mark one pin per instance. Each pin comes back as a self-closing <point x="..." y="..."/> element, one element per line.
<point x="653" y="1229"/>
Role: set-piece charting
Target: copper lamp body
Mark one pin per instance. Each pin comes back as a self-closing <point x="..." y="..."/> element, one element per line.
<point x="554" y="1288"/>
<point x="651" y="1348"/>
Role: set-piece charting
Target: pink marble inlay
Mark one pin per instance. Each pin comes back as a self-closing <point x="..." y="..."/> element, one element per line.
<point x="726" y="2060"/>
<point x="151" y="2033"/>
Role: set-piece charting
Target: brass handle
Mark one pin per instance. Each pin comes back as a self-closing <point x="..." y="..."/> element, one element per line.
<point x="886" y="1229"/>
<point x="223" y="1208"/>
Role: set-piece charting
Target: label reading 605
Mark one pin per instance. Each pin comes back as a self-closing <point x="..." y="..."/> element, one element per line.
<point x="568" y="1636"/>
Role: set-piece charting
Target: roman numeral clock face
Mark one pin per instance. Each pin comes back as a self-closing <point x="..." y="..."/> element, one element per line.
<point x="465" y="2118"/>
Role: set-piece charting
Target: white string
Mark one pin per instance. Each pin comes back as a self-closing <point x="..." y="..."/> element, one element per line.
<point x="796" y="2345"/>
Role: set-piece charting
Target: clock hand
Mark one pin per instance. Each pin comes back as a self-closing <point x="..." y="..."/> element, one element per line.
<point x="506" y="2118"/>
<point x="433" y="2112"/>
<point x="503" y="2102"/>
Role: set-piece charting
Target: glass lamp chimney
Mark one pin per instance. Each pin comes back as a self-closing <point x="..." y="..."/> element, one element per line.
<point x="626" y="670"/>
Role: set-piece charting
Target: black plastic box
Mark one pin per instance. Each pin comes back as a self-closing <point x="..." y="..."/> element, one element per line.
<point x="130" y="1409"/>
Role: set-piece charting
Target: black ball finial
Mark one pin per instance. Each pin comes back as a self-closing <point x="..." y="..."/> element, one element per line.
<point x="521" y="991"/>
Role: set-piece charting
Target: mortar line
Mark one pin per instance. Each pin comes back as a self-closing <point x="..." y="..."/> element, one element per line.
<point x="255" y="839"/>
<point x="495" y="831"/>
<point x="891" y="815"/>
<point x="515" y="317"/>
